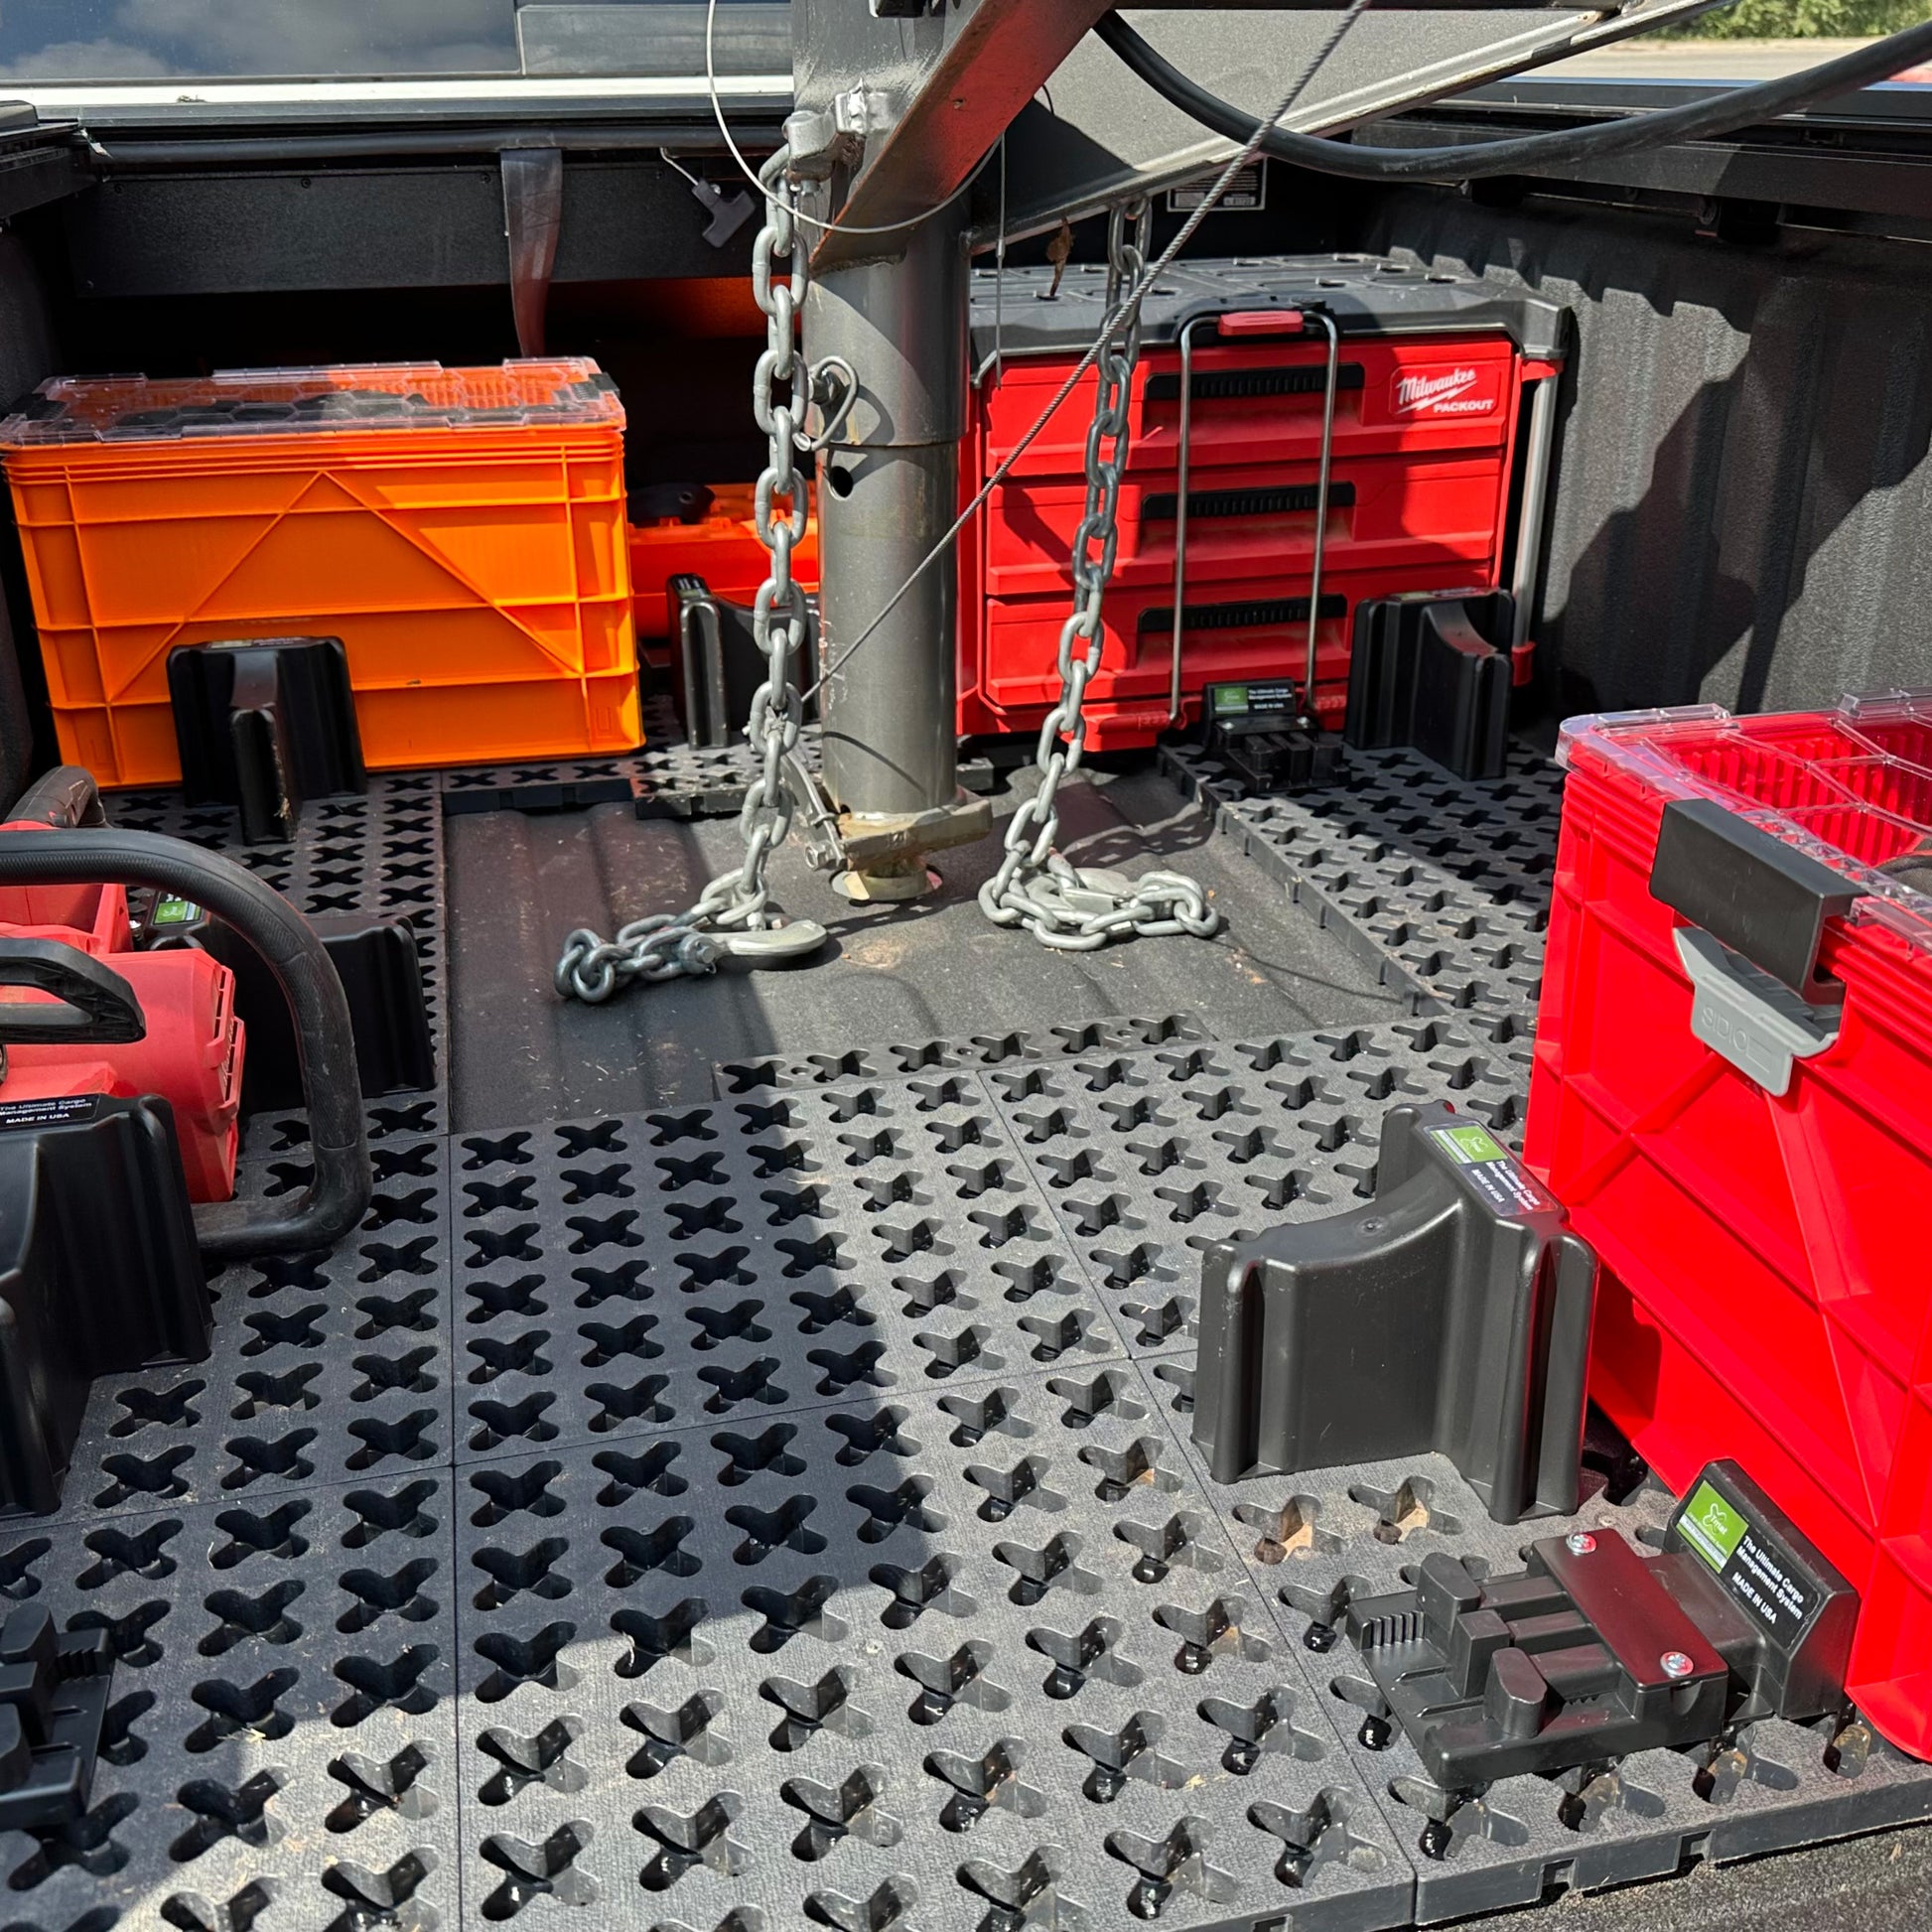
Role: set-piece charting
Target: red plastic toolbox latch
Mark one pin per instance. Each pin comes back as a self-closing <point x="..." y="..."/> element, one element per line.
<point x="1263" y="322"/>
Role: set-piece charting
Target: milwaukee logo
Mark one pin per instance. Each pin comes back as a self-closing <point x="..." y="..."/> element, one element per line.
<point x="1442" y="393"/>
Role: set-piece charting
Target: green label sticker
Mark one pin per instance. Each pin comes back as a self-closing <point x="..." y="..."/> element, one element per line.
<point x="1490" y="1170"/>
<point x="1712" y="1527"/>
<point x="1230" y="697"/>
<point x="1472" y="1144"/>
<point x="176" y="912"/>
<point x="1775" y="1577"/>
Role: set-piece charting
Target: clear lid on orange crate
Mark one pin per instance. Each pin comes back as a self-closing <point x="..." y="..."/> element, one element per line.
<point x="562" y="392"/>
<point x="1852" y="787"/>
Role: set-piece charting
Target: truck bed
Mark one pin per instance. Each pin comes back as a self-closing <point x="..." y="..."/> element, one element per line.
<point x="740" y="1475"/>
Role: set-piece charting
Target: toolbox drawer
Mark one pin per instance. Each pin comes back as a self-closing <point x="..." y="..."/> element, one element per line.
<point x="1244" y="522"/>
<point x="1260" y="403"/>
<point x="1236" y="629"/>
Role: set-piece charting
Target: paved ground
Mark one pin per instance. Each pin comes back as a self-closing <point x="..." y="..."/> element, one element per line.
<point x="1879" y="1883"/>
<point x="1713" y="59"/>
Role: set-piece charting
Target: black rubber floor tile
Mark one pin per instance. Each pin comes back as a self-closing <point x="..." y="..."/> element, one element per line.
<point x="669" y="777"/>
<point x="814" y="1554"/>
<point x="983" y="1051"/>
<point x="1445" y="882"/>
<point x="950" y="1662"/>
<point x="1312" y="1541"/>
<point x="1458" y="944"/>
<point x="1149" y="1157"/>
<point x="281" y="1733"/>
<point x="740" y="1259"/>
<point x="324" y="1367"/>
<point x="678" y="780"/>
<point x="379" y="852"/>
<point x="538" y="785"/>
<point x="274" y="1146"/>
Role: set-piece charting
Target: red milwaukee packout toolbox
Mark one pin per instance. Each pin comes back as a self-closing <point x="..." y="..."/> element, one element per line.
<point x="1733" y="1096"/>
<point x="192" y="1051"/>
<point x="1431" y="372"/>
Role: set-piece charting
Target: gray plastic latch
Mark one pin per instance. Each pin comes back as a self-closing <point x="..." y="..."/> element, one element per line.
<point x="728" y="212"/>
<point x="1754" y="1021"/>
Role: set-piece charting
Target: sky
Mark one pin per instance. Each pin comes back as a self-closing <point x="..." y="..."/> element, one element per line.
<point x="204" y="39"/>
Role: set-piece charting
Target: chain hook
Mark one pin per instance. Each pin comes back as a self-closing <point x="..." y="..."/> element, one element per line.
<point x="1066" y="907"/>
<point x="732" y="916"/>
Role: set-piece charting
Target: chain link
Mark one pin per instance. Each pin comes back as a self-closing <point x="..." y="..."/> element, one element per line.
<point x="1066" y="907"/>
<point x="667" y="945"/>
<point x="1069" y="909"/>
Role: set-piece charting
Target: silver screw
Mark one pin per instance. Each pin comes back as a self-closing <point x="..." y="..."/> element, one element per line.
<point x="1676" y="1664"/>
<point x="1579" y="1543"/>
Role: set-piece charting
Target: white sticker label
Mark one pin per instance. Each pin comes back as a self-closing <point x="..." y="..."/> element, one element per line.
<point x="1247" y="193"/>
<point x="1447" y="390"/>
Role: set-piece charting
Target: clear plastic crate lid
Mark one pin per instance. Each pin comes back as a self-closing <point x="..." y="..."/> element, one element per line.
<point x="552" y="394"/>
<point x="1850" y="787"/>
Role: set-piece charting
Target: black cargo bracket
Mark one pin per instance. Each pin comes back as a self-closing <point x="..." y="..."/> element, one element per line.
<point x="264" y="725"/>
<point x="1425" y="670"/>
<point x="99" y="1273"/>
<point x="1259" y="731"/>
<point x="376" y="959"/>
<point x="715" y="664"/>
<point x="1752" y="891"/>
<point x="1595" y="1650"/>
<point x="53" y="1705"/>
<point x="1451" y="1313"/>
<point x="1756" y="908"/>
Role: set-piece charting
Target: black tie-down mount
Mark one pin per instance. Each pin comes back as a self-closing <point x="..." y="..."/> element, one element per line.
<point x="1452" y="1313"/>
<point x="52" y="1700"/>
<point x="1595" y="1650"/>
<point x="264" y="725"/>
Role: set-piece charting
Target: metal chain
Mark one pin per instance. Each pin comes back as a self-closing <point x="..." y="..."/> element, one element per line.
<point x="667" y="945"/>
<point x="1066" y="907"/>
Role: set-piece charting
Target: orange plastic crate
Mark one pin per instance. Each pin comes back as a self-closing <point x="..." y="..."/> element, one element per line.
<point x="723" y="548"/>
<point x="460" y="530"/>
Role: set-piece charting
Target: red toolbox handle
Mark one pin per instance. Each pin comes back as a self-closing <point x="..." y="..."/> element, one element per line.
<point x="338" y="1190"/>
<point x="1264" y="322"/>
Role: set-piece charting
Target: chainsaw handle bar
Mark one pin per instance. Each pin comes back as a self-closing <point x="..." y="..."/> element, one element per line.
<point x="339" y="1196"/>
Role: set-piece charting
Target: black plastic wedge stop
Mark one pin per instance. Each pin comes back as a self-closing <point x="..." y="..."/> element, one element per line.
<point x="1451" y="1313"/>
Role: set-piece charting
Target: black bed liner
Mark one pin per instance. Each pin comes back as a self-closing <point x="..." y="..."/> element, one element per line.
<point x="777" y="1509"/>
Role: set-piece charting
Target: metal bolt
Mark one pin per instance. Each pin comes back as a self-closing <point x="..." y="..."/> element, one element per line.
<point x="1579" y="1543"/>
<point x="1676" y="1664"/>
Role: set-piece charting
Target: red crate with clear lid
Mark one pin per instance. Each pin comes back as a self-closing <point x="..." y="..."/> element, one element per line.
<point x="1766" y="1293"/>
